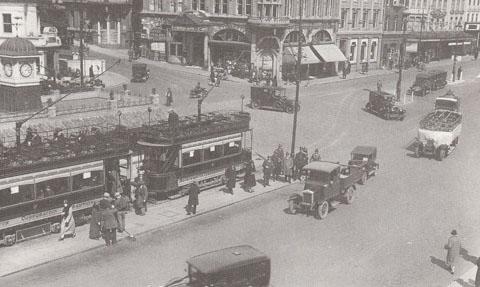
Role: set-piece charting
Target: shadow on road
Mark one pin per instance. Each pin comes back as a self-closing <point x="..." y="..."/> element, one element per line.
<point x="440" y="263"/>
<point x="467" y="257"/>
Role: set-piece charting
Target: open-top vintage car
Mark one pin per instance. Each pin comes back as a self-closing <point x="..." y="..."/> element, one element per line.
<point x="384" y="105"/>
<point x="427" y="82"/>
<point x="140" y="72"/>
<point x="326" y="185"/>
<point x="364" y="157"/>
<point x="238" y="266"/>
<point x="266" y="97"/>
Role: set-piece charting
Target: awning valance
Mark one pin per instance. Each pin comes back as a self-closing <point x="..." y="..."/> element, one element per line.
<point x="308" y="56"/>
<point x="329" y="53"/>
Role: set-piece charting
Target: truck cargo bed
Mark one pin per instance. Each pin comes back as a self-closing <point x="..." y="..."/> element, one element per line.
<point x="445" y="121"/>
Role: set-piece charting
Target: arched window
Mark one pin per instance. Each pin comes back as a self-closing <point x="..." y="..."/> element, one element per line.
<point x="373" y="51"/>
<point x="293" y="37"/>
<point x="363" y="52"/>
<point x="230" y="35"/>
<point x="322" y="37"/>
<point x="353" y="51"/>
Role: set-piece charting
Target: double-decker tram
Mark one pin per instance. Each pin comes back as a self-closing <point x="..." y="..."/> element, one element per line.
<point x="38" y="176"/>
<point x="192" y="149"/>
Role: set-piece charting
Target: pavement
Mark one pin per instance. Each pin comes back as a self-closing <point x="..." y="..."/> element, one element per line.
<point x="33" y="253"/>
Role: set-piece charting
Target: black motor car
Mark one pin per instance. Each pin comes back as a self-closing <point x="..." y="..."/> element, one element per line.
<point x="140" y="72"/>
<point x="267" y="97"/>
<point x="427" y="82"/>
<point x="383" y="104"/>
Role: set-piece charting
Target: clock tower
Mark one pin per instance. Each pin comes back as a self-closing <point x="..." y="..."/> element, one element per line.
<point x="19" y="80"/>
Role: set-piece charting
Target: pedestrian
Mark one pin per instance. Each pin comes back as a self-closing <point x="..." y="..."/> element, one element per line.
<point x="230" y="175"/>
<point x="274" y="82"/>
<point x="379" y="85"/>
<point x="459" y="73"/>
<point x="173" y="120"/>
<point x="475" y="55"/>
<point x="453" y="247"/>
<point x="169" y="97"/>
<point x="122" y="205"/>
<point x="288" y="167"/>
<point x="366" y="67"/>
<point x="106" y="200"/>
<point x="316" y="156"/>
<point x="95" y="222"/>
<point x="299" y="162"/>
<point x="277" y="159"/>
<point x="116" y="183"/>
<point x="249" y="178"/>
<point x="67" y="225"/>
<point x="193" y="192"/>
<point x="141" y="196"/>
<point x="212" y="75"/>
<point x="344" y="72"/>
<point x="90" y="72"/>
<point x="267" y="171"/>
<point x="477" y="276"/>
<point x="109" y="225"/>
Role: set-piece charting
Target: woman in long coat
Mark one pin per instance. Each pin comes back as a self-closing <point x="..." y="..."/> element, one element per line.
<point x="193" y="192"/>
<point x="95" y="222"/>
<point x="249" y="178"/>
<point x="288" y="167"/>
<point x="231" y="177"/>
<point x="67" y="226"/>
<point x="453" y="250"/>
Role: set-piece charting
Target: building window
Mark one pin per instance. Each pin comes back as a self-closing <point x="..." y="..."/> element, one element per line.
<point x="343" y="18"/>
<point x="354" y="18"/>
<point x="248" y="7"/>
<point x="225" y="7"/>
<point x="198" y="4"/>
<point x="217" y="6"/>
<point x="151" y="5"/>
<point x="353" y="51"/>
<point x="7" y="23"/>
<point x="240" y="7"/>
<point x="288" y="4"/>
<point x="375" y="19"/>
<point x="315" y="7"/>
<point x="365" y="18"/>
<point x="363" y="52"/>
<point x="373" y="51"/>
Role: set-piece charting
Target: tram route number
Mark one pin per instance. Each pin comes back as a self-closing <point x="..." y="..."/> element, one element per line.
<point x="43" y="215"/>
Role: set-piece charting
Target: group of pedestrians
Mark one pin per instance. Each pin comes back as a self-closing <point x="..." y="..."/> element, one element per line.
<point x="287" y="165"/>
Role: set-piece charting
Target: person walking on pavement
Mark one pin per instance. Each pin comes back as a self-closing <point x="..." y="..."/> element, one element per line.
<point x="192" y="203"/>
<point x="288" y="167"/>
<point x="316" y="156"/>
<point x="344" y="72"/>
<point x="230" y="175"/>
<point x="379" y="85"/>
<point x="67" y="225"/>
<point x="277" y="159"/>
<point x="169" y="97"/>
<point x="141" y="196"/>
<point x="299" y="162"/>
<point x="122" y="206"/>
<point x="453" y="247"/>
<point x="105" y="201"/>
<point x="109" y="225"/>
<point x="459" y="73"/>
<point x="267" y="171"/>
<point x="249" y="178"/>
<point x="95" y="222"/>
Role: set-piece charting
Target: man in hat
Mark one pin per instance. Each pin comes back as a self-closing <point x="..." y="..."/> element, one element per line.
<point x="106" y="201"/>
<point x="141" y="196"/>
<point x="230" y="175"/>
<point x="122" y="206"/>
<point x="192" y="203"/>
<point x="109" y="225"/>
<point x="316" y="156"/>
<point x="299" y="162"/>
<point x="267" y="171"/>
<point x="169" y="97"/>
<point x="453" y="247"/>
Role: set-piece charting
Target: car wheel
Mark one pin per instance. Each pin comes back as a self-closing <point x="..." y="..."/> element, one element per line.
<point x="364" y="178"/>
<point x="441" y="154"/>
<point x="289" y="109"/>
<point x="322" y="210"/>
<point x="349" y="195"/>
<point x="292" y="207"/>
<point x="255" y="105"/>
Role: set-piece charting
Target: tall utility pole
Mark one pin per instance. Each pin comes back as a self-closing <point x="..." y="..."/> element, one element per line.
<point x="297" y="90"/>
<point x="422" y="22"/>
<point x="454" y="69"/>
<point x="401" y="60"/>
<point x="80" y="11"/>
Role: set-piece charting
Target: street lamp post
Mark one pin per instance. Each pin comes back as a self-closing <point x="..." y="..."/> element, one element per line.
<point x="243" y="98"/>
<point x="297" y="89"/>
<point x="119" y="115"/>
<point x="454" y="68"/>
<point x="149" y="110"/>
<point x="401" y="60"/>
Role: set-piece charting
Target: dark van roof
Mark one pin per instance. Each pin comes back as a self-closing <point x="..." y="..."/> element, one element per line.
<point x="223" y="259"/>
<point x="364" y="150"/>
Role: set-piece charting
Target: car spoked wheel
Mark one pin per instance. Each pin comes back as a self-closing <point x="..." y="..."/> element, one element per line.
<point x="349" y="195"/>
<point x="322" y="210"/>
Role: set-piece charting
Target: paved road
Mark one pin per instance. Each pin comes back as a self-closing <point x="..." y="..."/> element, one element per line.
<point x="392" y="235"/>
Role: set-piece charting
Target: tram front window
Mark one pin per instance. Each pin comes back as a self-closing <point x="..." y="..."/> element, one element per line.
<point x="87" y="180"/>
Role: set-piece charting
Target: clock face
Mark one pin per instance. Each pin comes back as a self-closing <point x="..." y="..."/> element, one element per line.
<point x="26" y="70"/>
<point x="7" y="68"/>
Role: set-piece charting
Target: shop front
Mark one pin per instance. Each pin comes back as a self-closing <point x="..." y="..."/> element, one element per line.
<point x="439" y="45"/>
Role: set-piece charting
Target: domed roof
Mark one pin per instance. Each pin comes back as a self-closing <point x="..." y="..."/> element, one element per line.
<point x="17" y="47"/>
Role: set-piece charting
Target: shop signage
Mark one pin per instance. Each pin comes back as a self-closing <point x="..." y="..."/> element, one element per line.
<point x="459" y="43"/>
<point x="232" y="27"/>
<point x="472" y="26"/>
<point x="158" y="46"/>
<point x="158" y="34"/>
<point x="189" y="29"/>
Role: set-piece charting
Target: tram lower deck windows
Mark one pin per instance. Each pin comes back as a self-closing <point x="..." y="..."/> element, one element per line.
<point x="53" y="186"/>
<point x="212" y="152"/>
<point x="232" y="147"/>
<point x="16" y="194"/>
<point x="191" y="157"/>
<point x="86" y="180"/>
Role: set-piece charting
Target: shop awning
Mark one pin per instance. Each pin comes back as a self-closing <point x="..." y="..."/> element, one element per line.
<point x="329" y="53"/>
<point x="308" y="57"/>
<point x="412" y="48"/>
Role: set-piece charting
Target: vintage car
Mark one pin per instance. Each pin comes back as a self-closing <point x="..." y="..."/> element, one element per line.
<point x="383" y="104"/>
<point x="364" y="157"/>
<point x="427" y="82"/>
<point x="266" y="97"/>
<point x="140" y="73"/>
<point x="326" y="185"/>
<point x="238" y="266"/>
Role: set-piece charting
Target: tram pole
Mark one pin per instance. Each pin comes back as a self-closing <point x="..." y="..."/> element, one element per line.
<point x="401" y="60"/>
<point x="81" y="56"/>
<point x="297" y="88"/>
